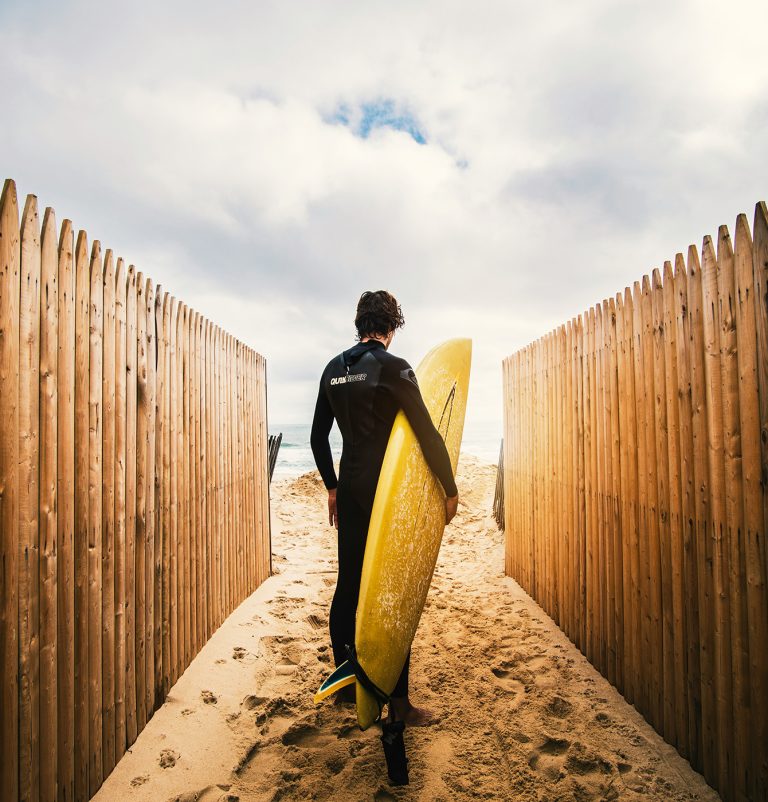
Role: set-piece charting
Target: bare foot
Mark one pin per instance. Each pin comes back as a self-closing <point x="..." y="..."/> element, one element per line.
<point x="418" y="717"/>
<point x="403" y="710"/>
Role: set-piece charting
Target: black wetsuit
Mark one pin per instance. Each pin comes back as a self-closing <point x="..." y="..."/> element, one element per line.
<point x="363" y="388"/>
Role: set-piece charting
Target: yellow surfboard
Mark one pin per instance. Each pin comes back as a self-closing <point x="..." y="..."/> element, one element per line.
<point x="405" y="531"/>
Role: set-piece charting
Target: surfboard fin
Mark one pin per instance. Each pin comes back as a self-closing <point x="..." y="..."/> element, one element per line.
<point x="344" y="675"/>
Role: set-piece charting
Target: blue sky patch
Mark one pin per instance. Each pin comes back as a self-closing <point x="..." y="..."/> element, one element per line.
<point x="379" y="114"/>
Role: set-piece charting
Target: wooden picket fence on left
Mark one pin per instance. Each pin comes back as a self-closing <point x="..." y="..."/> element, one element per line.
<point x="134" y="509"/>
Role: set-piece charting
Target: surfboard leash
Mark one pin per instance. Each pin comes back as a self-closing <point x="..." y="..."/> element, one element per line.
<point x="367" y="683"/>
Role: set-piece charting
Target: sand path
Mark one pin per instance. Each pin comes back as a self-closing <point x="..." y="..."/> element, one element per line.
<point x="522" y="715"/>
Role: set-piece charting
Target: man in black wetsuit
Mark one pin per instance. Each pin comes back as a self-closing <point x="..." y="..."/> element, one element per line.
<point x="363" y="388"/>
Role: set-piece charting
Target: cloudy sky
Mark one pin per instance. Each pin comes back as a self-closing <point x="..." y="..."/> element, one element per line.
<point x="499" y="166"/>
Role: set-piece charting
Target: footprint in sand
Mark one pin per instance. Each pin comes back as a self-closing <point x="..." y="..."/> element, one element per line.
<point x="140" y="780"/>
<point x="288" y="651"/>
<point x="248" y="756"/>
<point x="168" y="758"/>
<point x="250" y="702"/>
<point x="209" y="697"/>
<point x="238" y="653"/>
<point x="559" y="707"/>
<point x="285" y="666"/>
<point x="507" y="682"/>
<point x="584" y="763"/>
<point x="316" y="622"/>
<point x="305" y="735"/>
<point x="548" y="758"/>
<point x="335" y="764"/>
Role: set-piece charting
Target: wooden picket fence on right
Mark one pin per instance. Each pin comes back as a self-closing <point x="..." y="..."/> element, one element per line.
<point x="636" y="511"/>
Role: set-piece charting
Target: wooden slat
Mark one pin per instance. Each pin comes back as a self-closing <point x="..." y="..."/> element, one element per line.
<point x="733" y="525"/>
<point x="142" y="442"/>
<point x="194" y="408"/>
<point x="627" y="452"/>
<point x="652" y="531"/>
<point x="688" y="509"/>
<point x="189" y="473"/>
<point x="184" y="493"/>
<point x="223" y="486"/>
<point x="217" y="526"/>
<point x="760" y="279"/>
<point x="661" y="469"/>
<point x="566" y="479"/>
<point x="551" y="476"/>
<point x="206" y="476"/>
<point x="230" y="555"/>
<point x="160" y="499"/>
<point x="582" y="469"/>
<point x="247" y="480"/>
<point x="130" y="507"/>
<point x="82" y="397"/>
<point x="203" y="622"/>
<point x="645" y="646"/>
<point x="149" y="540"/>
<point x="266" y="540"/>
<point x="108" y="754"/>
<point x="95" y="770"/>
<point x="182" y="578"/>
<point x="49" y="324"/>
<point x="717" y="524"/>
<point x="10" y="288"/>
<point x="710" y="752"/>
<point x="173" y="605"/>
<point x="603" y="408"/>
<point x="616" y="496"/>
<point x="260" y="571"/>
<point x="29" y="454"/>
<point x="589" y="490"/>
<point x="601" y="595"/>
<point x="121" y="366"/>
<point x="235" y="479"/>
<point x="65" y="519"/>
<point x="752" y="545"/>
<point x="675" y="567"/>
<point x="758" y="552"/>
<point x="167" y="423"/>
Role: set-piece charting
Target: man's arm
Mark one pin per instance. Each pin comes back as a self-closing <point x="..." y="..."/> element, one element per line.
<point x="321" y="450"/>
<point x="402" y="383"/>
<point x="318" y="440"/>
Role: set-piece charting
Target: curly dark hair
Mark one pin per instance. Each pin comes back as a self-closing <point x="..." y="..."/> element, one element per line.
<point x="378" y="312"/>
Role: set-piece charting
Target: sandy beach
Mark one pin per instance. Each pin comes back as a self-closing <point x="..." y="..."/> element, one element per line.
<point x="521" y="715"/>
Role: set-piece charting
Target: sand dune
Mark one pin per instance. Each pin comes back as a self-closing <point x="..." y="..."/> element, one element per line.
<point x="521" y="714"/>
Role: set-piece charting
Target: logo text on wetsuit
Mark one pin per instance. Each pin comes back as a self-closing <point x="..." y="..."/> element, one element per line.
<point x="351" y="377"/>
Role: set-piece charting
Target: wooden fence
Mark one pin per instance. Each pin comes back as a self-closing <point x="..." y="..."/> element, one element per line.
<point x="134" y="513"/>
<point x="636" y="455"/>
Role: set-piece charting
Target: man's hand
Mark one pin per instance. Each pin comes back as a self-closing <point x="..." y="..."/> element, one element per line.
<point x="333" y="517"/>
<point x="451" y="505"/>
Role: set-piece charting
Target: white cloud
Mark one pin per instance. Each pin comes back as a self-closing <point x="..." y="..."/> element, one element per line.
<point x="569" y="149"/>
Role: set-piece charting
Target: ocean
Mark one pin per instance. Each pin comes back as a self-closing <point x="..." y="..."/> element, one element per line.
<point x="295" y="456"/>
